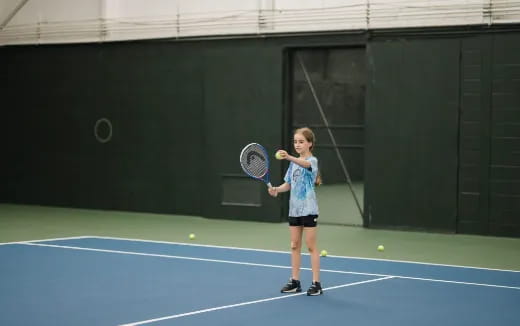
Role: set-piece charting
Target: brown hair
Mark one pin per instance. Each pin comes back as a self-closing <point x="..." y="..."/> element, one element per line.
<point x="309" y="136"/>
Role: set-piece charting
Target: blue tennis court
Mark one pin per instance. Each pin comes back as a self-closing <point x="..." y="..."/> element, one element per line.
<point x="115" y="281"/>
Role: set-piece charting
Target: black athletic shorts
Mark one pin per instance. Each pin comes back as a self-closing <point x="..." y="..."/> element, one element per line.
<point x="308" y="221"/>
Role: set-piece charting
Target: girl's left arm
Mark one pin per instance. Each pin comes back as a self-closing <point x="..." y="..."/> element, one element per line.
<point x="300" y="161"/>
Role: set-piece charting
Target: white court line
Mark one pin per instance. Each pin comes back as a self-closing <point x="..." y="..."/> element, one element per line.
<point x="191" y="244"/>
<point x="303" y="253"/>
<point x="149" y="321"/>
<point x="43" y="240"/>
<point x="261" y="265"/>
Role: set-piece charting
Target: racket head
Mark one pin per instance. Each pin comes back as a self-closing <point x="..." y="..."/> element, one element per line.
<point x="255" y="162"/>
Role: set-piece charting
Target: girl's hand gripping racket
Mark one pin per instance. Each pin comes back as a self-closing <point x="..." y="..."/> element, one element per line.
<point x="255" y="162"/>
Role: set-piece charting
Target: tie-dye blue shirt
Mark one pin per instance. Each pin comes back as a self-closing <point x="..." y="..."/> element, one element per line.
<point x="302" y="200"/>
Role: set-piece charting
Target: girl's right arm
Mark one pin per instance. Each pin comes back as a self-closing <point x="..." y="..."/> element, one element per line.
<point x="281" y="188"/>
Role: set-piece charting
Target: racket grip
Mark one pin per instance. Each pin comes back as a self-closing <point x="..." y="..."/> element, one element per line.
<point x="269" y="185"/>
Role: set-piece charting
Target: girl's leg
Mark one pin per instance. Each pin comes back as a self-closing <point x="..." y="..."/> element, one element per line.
<point x="296" y="250"/>
<point x="310" y="241"/>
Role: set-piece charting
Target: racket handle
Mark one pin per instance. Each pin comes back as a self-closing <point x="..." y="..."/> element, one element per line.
<point x="269" y="185"/>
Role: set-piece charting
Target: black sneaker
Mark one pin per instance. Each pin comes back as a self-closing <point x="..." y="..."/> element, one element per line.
<point x="315" y="289"/>
<point x="292" y="286"/>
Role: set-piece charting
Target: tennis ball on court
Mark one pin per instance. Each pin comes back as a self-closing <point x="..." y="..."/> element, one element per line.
<point x="323" y="253"/>
<point x="278" y="155"/>
<point x="380" y="248"/>
<point x="192" y="236"/>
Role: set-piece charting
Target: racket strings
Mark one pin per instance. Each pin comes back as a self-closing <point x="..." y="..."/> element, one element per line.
<point x="254" y="161"/>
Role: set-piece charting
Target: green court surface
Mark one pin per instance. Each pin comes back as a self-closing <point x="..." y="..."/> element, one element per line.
<point x="19" y="223"/>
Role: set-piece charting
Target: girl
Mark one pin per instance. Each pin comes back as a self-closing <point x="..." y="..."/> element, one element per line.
<point x="301" y="177"/>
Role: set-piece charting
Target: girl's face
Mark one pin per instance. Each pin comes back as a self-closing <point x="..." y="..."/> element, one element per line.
<point x="301" y="145"/>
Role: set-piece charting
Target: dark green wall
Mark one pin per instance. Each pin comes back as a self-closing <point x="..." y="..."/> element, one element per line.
<point x="474" y="140"/>
<point x="182" y="110"/>
<point x="443" y="133"/>
<point x="242" y="104"/>
<point x="151" y="94"/>
<point x="411" y="137"/>
<point x="489" y="178"/>
<point x="504" y="214"/>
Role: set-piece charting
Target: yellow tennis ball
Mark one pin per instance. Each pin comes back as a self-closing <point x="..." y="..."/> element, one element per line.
<point x="278" y="155"/>
<point x="192" y="236"/>
<point x="381" y="248"/>
<point x="323" y="253"/>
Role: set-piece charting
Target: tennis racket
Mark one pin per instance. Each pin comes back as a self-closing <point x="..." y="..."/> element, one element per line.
<point x="255" y="162"/>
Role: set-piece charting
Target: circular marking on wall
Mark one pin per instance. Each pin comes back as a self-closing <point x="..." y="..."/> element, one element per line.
<point x="103" y="130"/>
